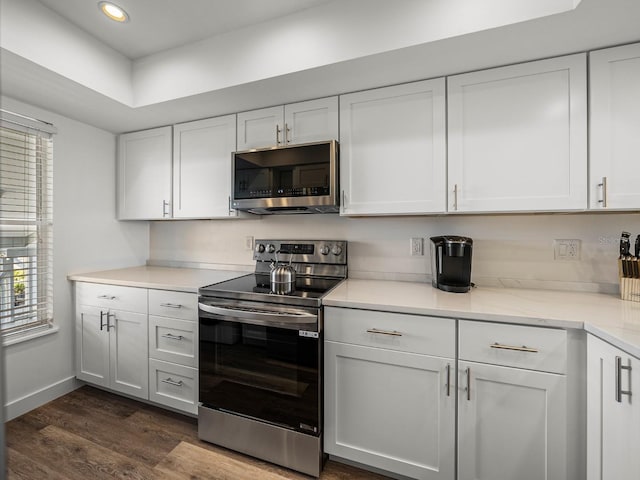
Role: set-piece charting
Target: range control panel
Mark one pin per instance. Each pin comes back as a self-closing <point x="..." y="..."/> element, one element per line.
<point x="301" y="251"/>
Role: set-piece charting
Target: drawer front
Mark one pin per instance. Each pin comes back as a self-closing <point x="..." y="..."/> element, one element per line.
<point x="533" y="348"/>
<point x="394" y="331"/>
<point x="130" y="299"/>
<point x="166" y="303"/>
<point x="173" y="385"/>
<point x="173" y="340"/>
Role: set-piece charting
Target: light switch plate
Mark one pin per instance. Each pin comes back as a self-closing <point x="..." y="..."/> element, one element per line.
<point x="416" y="246"/>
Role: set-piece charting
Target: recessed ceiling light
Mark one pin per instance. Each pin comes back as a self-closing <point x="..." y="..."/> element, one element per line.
<point x="113" y="11"/>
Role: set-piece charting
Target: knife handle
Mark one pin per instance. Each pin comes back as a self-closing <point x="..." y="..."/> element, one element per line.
<point x="637" y="247"/>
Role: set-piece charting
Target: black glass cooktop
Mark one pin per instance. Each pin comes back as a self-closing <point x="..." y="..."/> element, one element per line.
<point x="257" y="287"/>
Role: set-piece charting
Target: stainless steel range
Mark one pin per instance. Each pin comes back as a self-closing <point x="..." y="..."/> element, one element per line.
<point x="261" y="353"/>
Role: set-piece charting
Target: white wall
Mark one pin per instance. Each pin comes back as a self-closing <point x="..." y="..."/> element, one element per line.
<point x="509" y="250"/>
<point x="86" y="237"/>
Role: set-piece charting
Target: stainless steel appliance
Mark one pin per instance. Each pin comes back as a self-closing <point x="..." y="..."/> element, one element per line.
<point x="260" y="375"/>
<point x="451" y="263"/>
<point x="290" y="179"/>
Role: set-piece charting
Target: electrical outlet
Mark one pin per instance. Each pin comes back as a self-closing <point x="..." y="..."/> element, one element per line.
<point x="416" y="246"/>
<point x="566" y="249"/>
<point x="248" y="243"/>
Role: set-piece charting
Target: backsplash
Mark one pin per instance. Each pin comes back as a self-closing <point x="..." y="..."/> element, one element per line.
<point x="509" y="250"/>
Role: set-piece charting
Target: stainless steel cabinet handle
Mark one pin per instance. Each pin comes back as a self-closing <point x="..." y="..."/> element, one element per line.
<point x="448" y="380"/>
<point x="603" y="185"/>
<point x="109" y="326"/>
<point x="229" y="205"/>
<point x="171" y="305"/>
<point x="523" y="348"/>
<point x="455" y="197"/>
<point x="170" y="381"/>
<point x="165" y="205"/>
<point x="172" y="337"/>
<point x="287" y="130"/>
<point x="102" y="325"/>
<point x="619" y="368"/>
<point x="468" y="389"/>
<point x="344" y="200"/>
<point x="278" y="134"/>
<point x="107" y="297"/>
<point x="393" y="333"/>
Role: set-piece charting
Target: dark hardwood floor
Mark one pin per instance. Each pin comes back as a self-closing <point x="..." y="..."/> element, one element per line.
<point x="92" y="434"/>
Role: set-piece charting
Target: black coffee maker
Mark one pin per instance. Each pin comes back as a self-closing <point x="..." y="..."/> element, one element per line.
<point x="451" y="263"/>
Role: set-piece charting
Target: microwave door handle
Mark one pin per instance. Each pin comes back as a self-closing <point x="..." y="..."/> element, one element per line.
<point x="262" y="318"/>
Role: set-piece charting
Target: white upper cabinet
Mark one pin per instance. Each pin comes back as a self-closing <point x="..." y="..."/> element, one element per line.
<point x="304" y="122"/>
<point x="393" y="150"/>
<point x="518" y="137"/>
<point x="615" y="128"/>
<point x="202" y="167"/>
<point x="144" y="174"/>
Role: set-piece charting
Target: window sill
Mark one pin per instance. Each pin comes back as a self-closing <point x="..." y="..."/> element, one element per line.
<point x="29" y="335"/>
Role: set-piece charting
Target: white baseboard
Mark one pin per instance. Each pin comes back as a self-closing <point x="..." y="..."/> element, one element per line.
<point x="27" y="403"/>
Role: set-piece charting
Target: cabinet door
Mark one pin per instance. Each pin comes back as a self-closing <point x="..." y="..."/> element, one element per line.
<point x="202" y="167"/>
<point x="261" y="128"/>
<point x="518" y="137"/>
<point x="615" y="123"/>
<point x="128" y="353"/>
<point x="312" y="121"/>
<point x="511" y="424"/>
<point x="92" y="345"/>
<point x="144" y="175"/>
<point x="613" y="427"/>
<point x="391" y="410"/>
<point x="392" y="150"/>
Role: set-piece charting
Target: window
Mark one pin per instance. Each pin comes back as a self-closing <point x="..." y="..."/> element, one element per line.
<point x="26" y="184"/>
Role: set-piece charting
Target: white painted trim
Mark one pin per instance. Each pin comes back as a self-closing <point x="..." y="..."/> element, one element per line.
<point x="27" y="335"/>
<point x="38" y="398"/>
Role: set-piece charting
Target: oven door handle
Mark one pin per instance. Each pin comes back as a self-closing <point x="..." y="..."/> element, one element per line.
<point x="262" y="318"/>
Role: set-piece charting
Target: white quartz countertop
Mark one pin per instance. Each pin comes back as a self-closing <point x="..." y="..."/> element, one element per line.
<point x="607" y="316"/>
<point x="161" y="278"/>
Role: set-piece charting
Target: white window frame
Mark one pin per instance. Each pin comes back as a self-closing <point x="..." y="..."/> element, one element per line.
<point x="35" y="314"/>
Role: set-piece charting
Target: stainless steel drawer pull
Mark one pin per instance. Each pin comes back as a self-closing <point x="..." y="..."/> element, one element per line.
<point x="106" y="297"/>
<point x="603" y="185"/>
<point x="171" y="305"/>
<point x="523" y="348"/>
<point x="170" y="381"/>
<point x="393" y="333"/>
<point x="172" y="337"/>
<point x="448" y="380"/>
<point x="102" y="325"/>
<point x="619" y="368"/>
<point x="468" y="389"/>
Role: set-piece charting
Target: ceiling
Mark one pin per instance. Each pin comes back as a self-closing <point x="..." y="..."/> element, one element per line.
<point x="158" y="25"/>
<point x="225" y="56"/>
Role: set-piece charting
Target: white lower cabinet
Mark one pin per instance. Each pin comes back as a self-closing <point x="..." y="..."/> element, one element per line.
<point x="613" y="412"/>
<point x="173" y="349"/>
<point x="511" y="423"/>
<point x="111" y="344"/>
<point x="385" y="405"/>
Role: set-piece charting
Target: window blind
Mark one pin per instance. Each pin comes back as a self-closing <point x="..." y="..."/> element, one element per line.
<point x="26" y="223"/>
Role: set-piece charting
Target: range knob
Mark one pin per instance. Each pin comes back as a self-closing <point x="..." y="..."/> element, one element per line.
<point x="324" y="250"/>
<point x="259" y="248"/>
<point x="271" y="248"/>
<point x="336" y="250"/>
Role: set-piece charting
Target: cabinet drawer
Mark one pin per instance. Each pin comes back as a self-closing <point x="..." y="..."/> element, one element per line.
<point x="173" y="340"/>
<point x="394" y="331"/>
<point x="533" y="348"/>
<point x="173" y="385"/>
<point x="117" y="297"/>
<point x="166" y="303"/>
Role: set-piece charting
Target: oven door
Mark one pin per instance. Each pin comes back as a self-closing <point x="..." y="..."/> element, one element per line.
<point x="261" y="362"/>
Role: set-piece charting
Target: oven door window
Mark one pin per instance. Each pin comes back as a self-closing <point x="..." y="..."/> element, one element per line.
<point x="266" y="373"/>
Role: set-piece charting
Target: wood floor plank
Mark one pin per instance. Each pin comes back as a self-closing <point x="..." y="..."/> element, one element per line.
<point x="189" y="461"/>
<point x="23" y="467"/>
<point x="91" y="434"/>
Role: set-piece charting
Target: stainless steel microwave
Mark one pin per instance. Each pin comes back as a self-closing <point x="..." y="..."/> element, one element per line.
<point x="290" y="179"/>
